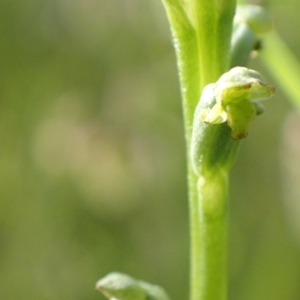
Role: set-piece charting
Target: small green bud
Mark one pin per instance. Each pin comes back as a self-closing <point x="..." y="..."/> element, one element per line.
<point x="243" y="42"/>
<point x="118" y="286"/>
<point x="250" y="23"/>
<point x="256" y="17"/>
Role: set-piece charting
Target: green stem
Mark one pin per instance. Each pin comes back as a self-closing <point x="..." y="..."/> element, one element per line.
<point x="201" y="31"/>
<point x="185" y="44"/>
<point x="195" y="237"/>
<point x="213" y="23"/>
<point x="209" y="217"/>
<point x="212" y="191"/>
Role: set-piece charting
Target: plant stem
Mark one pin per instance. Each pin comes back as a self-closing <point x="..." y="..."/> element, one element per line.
<point x="208" y="193"/>
<point x="213" y="23"/>
<point x="195" y="237"/>
<point x="209" y="237"/>
<point x="201" y="31"/>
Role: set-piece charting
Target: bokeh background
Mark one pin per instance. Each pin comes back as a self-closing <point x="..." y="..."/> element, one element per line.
<point x="92" y="159"/>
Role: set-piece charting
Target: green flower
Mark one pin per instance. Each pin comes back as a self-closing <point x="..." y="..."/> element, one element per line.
<point x="236" y="95"/>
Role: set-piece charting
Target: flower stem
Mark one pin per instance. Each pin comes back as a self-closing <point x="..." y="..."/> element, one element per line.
<point x="209" y="214"/>
<point x="201" y="32"/>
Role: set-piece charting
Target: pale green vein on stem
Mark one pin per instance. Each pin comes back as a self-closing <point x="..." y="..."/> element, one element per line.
<point x="283" y="66"/>
<point x="195" y="236"/>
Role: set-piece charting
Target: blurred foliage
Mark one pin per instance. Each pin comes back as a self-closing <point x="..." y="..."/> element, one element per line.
<point x="93" y="162"/>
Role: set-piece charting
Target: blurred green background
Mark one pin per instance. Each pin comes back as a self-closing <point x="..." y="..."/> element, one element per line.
<point x="92" y="158"/>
